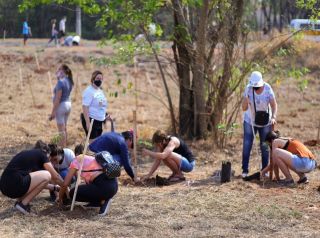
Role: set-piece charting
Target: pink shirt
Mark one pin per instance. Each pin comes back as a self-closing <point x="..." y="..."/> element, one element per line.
<point x="89" y="163"/>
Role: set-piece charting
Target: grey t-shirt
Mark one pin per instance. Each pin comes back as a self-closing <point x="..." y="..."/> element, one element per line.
<point x="66" y="87"/>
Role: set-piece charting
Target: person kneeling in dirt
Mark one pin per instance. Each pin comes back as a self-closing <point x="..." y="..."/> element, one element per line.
<point x="118" y="146"/>
<point x="173" y="152"/>
<point x="26" y="175"/>
<point x="289" y="154"/>
<point x="98" y="190"/>
<point x="59" y="158"/>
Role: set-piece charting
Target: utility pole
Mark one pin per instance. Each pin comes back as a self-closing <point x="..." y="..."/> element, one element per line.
<point x="78" y="20"/>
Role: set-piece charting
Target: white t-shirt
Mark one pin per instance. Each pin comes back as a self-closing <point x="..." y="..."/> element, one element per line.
<point x="67" y="160"/>
<point x="96" y="101"/>
<point x="262" y="102"/>
<point x="62" y="25"/>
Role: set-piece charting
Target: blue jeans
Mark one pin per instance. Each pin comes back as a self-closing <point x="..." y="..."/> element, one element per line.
<point x="63" y="173"/>
<point x="186" y="166"/>
<point x="247" y="145"/>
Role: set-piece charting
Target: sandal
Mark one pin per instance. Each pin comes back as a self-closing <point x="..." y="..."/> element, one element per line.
<point x="304" y="180"/>
<point x="177" y="179"/>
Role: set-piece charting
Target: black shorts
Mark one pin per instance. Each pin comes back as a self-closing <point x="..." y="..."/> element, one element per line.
<point x="25" y="36"/>
<point x="96" y="127"/>
<point x="15" y="184"/>
<point x="61" y="34"/>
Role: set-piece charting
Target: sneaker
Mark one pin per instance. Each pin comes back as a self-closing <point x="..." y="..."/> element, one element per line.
<point x="105" y="207"/>
<point x="91" y="205"/>
<point x="243" y="175"/>
<point x="25" y="209"/>
<point x="303" y="180"/>
<point x="53" y="196"/>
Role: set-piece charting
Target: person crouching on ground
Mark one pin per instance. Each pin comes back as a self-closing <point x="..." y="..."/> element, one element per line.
<point x="173" y="152"/>
<point x="118" y="146"/>
<point x="98" y="190"/>
<point x="290" y="154"/>
<point x="26" y="175"/>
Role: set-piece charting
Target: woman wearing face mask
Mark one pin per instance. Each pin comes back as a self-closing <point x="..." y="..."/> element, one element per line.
<point x="94" y="106"/>
<point x="258" y="117"/>
<point x="61" y="101"/>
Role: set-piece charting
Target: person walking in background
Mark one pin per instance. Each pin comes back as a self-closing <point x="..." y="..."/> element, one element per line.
<point x="173" y="152"/>
<point x="258" y="98"/>
<point x="61" y="101"/>
<point x="26" y="32"/>
<point x="54" y="32"/>
<point x="94" y="106"/>
<point x="62" y="30"/>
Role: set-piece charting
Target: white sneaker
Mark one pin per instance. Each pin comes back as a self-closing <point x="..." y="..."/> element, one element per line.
<point x="244" y="175"/>
<point x="105" y="207"/>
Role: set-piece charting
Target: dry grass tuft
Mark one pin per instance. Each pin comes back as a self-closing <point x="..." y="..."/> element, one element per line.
<point x="197" y="207"/>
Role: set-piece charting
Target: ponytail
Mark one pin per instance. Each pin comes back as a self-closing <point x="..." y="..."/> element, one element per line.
<point x="68" y="72"/>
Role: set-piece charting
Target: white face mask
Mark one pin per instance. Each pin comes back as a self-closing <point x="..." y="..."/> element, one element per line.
<point x="59" y="74"/>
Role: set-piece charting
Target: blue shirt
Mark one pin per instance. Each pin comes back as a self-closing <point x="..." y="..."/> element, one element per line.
<point x="25" y="29"/>
<point x="66" y="87"/>
<point x="116" y="145"/>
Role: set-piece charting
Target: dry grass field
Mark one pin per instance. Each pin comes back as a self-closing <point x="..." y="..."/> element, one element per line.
<point x="197" y="207"/>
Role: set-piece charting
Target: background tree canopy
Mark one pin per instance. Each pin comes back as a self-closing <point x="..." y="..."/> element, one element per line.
<point x="39" y="16"/>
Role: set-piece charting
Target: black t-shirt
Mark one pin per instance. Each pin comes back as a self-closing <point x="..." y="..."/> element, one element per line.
<point x="28" y="161"/>
<point x="184" y="151"/>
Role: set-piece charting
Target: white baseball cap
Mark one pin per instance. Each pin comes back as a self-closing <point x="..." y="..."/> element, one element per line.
<point x="256" y="79"/>
<point x="76" y="39"/>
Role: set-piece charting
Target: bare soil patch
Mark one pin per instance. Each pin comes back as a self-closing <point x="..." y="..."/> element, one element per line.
<point x="197" y="207"/>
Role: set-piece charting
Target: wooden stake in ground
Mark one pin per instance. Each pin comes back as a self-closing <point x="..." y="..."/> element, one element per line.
<point x="81" y="164"/>
<point x="318" y="136"/>
<point x="50" y="82"/>
<point x="135" y="143"/>
<point x="31" y="92"/>
<point x="37" y="61"/>
<point x="79" y="85"/>
<point x="20" y="76"/>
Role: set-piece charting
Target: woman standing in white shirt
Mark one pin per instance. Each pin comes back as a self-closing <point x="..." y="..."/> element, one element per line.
<point x="94" y="106"/>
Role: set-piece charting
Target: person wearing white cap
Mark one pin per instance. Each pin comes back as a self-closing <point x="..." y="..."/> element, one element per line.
<point x="258" y="117"/>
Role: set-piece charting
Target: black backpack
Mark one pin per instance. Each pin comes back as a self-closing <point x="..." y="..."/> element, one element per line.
<point x="109" y="165"/>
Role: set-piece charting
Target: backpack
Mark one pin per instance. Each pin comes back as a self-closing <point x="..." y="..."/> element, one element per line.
<point x="110" y="166"/>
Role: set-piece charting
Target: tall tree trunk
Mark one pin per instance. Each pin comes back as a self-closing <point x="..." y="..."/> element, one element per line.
<point x="281" y="9"/>
<point x="182" y="60"/>
<point x="200" y="116"/>
<point x="235" y="17"/>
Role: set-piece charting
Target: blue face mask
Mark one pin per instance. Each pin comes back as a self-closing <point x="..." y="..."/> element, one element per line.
<point x="97" y="83"/>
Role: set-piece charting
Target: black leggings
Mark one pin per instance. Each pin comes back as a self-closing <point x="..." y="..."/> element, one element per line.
<point x="96" y="127"/>
<point x="100" y="189"/>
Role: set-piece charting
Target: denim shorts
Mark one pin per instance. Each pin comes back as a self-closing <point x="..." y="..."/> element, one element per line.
<point x="303" y="165"/>
<point x="186" y="166"/>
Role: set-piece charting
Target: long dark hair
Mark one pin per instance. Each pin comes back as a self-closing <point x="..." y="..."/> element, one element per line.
<point x="68" y="72"/>
<point x="160" y="136"/>
<point x="272" y="135"/>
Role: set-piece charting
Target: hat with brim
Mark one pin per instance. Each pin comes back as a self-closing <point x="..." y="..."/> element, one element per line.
<point x="256" y="79"/>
